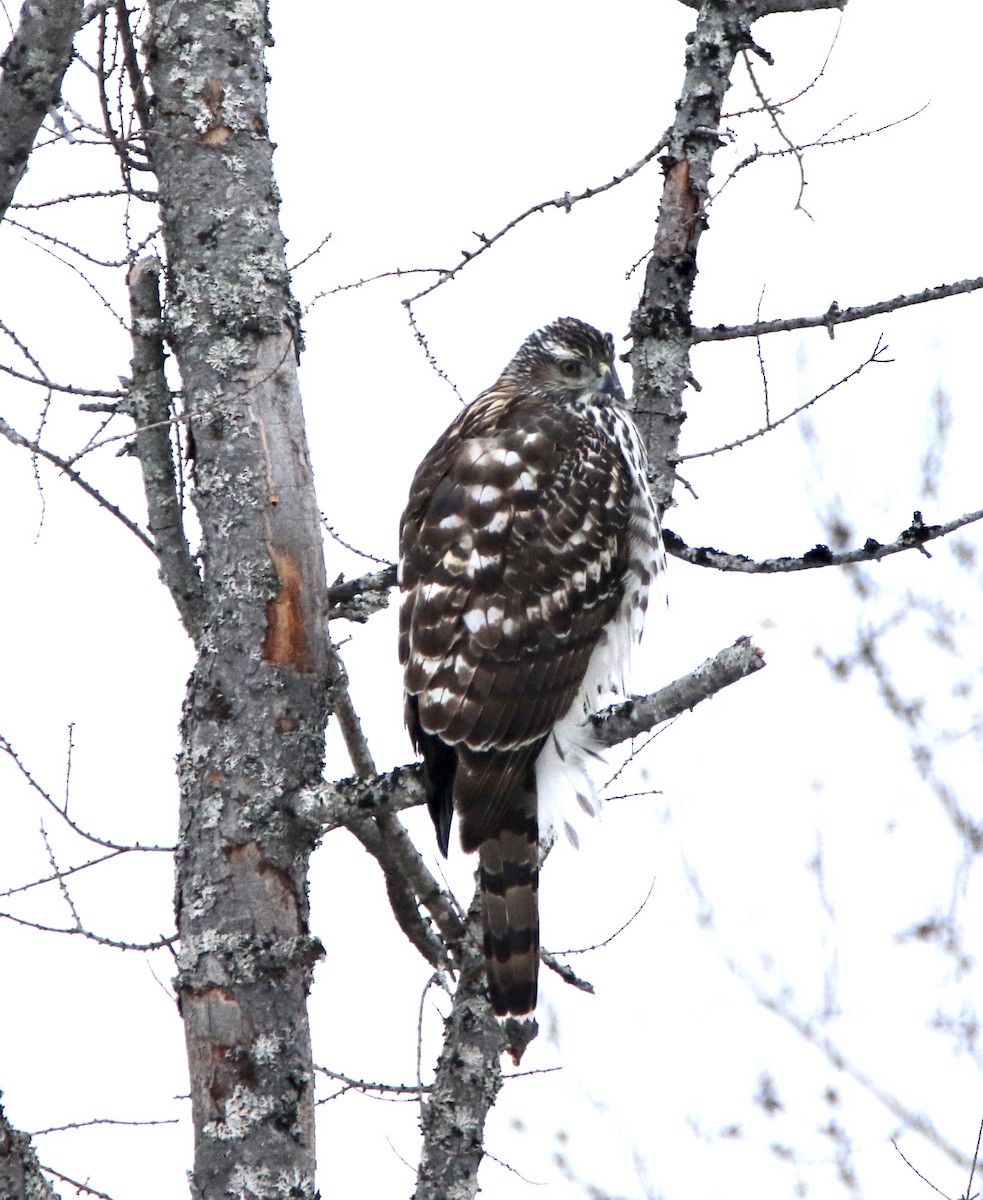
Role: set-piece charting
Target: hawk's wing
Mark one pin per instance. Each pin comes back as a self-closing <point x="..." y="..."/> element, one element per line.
<point x="514" y="549"/>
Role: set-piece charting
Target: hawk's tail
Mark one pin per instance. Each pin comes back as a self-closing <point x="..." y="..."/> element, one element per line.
<point x="509" y="879"/>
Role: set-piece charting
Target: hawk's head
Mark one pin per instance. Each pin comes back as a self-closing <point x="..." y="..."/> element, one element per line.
<point x="565" y="360"/>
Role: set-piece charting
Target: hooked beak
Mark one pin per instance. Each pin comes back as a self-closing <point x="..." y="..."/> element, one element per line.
<point x="608" y="382"/>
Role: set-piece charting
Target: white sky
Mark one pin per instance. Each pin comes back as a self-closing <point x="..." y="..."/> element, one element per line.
<point x="401" y="129"/>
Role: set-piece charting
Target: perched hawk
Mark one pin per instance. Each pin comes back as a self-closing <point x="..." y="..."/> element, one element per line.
<point x="526" y="552"/>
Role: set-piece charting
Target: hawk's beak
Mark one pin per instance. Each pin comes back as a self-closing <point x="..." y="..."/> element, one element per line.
<point x="608" y="382"/>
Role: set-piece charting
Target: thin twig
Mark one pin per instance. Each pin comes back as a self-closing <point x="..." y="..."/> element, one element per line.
<point x="363" y="1085"/>
<point x="620" y="930"/>
<point x="59" y="875"/>
<point x="972" y="1169"/>
<point x="424" y="345"/>
<point x="18" y="439"/>
<point x="875" y="357"/>
<point x="564" y="202"/>
<point x="761" y="366"/>
<point x="744" y="112"/>
<point x="362" y="281"/>
<point x="75" y="1183"/>
<point x="565" y="972"/>
<point x="102" y="1121"/>
<point x="8" y="749"/>
<point x="114" y="943"/>
<point x="793" y="149"/>
<point x="354" y="549"/>
<point x="64" y="872"/>
<point x="68" y="388"/>
<point x="909" y="1163"/>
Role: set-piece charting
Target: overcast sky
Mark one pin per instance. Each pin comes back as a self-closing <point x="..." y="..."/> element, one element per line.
<point x="402" y="130"/>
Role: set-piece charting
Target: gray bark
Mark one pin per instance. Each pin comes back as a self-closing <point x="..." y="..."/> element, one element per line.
<point x="152" y="411"/>
<point x="34" y="65"/>
<point x="20" y="1172"/>
<point x="466" y="1083"/>
<point x="258" y="700"/>
<point x="661" y="326"/>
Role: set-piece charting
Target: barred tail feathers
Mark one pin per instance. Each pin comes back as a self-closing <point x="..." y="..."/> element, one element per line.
<point x="509" y="881"/>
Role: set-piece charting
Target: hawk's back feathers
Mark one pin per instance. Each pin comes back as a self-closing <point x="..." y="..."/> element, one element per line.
<point x="526" y="551"/>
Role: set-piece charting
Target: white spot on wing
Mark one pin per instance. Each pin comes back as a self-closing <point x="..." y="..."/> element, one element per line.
<point x="484" y="493"/>
<point x="499" y="521"/>
<point x="479" y="562"/>
<point x="506" y="458"/>
<point x="474" y="620"/>
<point x="435" y="591"/>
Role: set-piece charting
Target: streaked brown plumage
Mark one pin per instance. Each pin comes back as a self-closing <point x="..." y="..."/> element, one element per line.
<point x="526" y="551"/>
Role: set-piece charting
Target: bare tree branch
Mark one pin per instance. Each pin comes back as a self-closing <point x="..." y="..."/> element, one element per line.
<point x="835" y="315"/>
<point x="351" y="800"/>
<point x="64" y="873"/>
<point x="69" y="389"/>
<point x="77" y="1184"/>
<point x="62" y="810"/>
<point x="823" y="142"/>
<point x="409" y="1090"/>
<point x="909" y="713"/>
<point x="876" y="357"/>
<point x="466" y="1083"/>
<point x="74" y="931"/>
<point x="912" y="538"/>
<point x="790" y="146"/>
<point x="642" y="713"/>
<point x="565" y="972"/>
<point x="333" y="805"/>
<point x="409" y="883"/>
<point x="367" y="806"/>
<point x="661" y="325"/>
<point x="358" y="599"/>
<point x="103" y="1121"/>
<point x="151" y="408"/>
<point x="34" y="65"/>
<point x="565" y="202"/>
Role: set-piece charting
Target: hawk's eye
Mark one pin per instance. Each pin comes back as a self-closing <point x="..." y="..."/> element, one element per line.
<point x="570" y="367"/>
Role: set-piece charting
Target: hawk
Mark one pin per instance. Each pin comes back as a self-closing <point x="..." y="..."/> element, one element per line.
<point x="527" y="548"/>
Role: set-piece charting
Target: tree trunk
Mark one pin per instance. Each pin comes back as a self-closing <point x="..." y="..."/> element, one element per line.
<point x="257" y="703"/>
